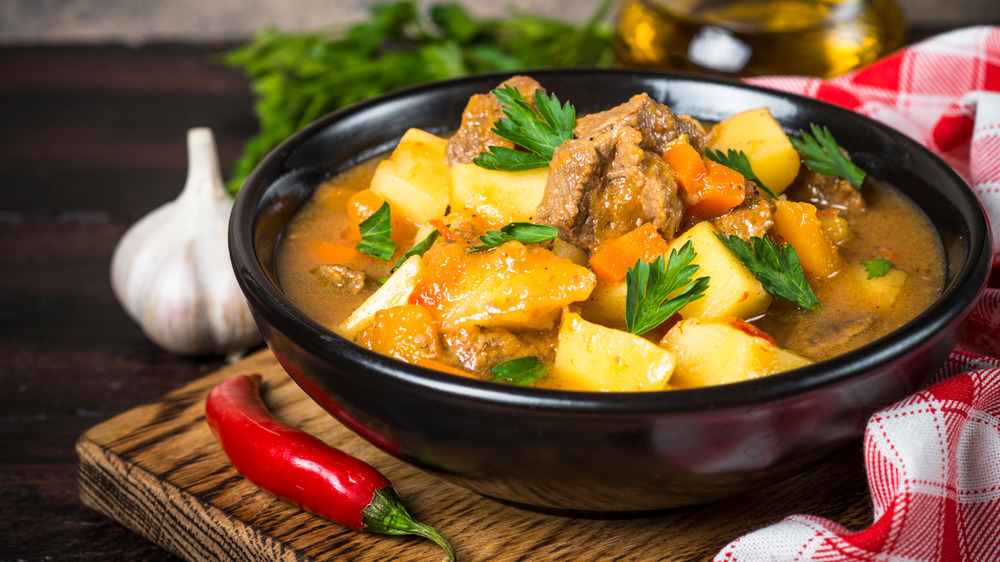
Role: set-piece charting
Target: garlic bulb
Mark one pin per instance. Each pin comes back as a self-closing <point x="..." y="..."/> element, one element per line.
<point x="171" y="270"/>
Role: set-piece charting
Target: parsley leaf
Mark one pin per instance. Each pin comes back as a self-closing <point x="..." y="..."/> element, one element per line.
<point x="737" y="160"/>
<point x="522" y="371"/>
<point x="419" y="249"/>
<point x="375" y="234"/>
<point x="877" y="267"/>
<point x="654" y="292"/>
<point x="823" y="155"/>
<point x="537" y="132"/>
<point x="523" y="232"/>
<point x="777" y="268"/>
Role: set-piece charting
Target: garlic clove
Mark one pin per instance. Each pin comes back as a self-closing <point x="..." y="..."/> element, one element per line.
<point x="171" y="270"/>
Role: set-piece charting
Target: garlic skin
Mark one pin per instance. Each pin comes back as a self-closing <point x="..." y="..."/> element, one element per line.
<point x="171" y="271"/>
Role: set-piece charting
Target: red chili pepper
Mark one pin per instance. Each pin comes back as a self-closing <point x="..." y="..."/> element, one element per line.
<point x="303" y="470"/>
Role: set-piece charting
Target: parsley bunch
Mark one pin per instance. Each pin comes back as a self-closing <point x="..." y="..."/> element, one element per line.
<point x="298" y="77"/>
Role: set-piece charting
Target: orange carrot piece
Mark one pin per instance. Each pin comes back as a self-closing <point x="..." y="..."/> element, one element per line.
<point x="687" y="164"/>
<point x="709" y="189"/>
<point x="428" y="363"/>
<point x="330" y="252"/>
<point x="722" y="189"/>
<point x="612" y="261"/>
<point x="446" y="232"/>
<point x="360" y="206"/>
<point x="796" y="223"/>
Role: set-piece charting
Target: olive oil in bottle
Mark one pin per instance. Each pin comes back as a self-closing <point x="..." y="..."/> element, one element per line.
<point x="822" y="38"/>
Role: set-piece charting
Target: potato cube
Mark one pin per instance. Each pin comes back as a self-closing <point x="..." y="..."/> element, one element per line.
<point x="415" y="178"/>
<point x="606" y="304"/>
<point x="501" y="195"/>
<point x="879" y="292"/>
<point x="394" y="292"/>
<point x="732" y="288"/>
<point x="758" y="135"/>
<point x="511" y="286"/>
<point x="724" y="350"/>
<point x="597" y="358"/>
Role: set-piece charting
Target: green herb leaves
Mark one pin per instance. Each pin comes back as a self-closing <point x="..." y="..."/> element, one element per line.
<point x="777" y="268"/>
<point x="654" y="292"/>
<point x="521" y="372"/>
<point x="299" y="77"/>
<point x="877" y="267"/>
<point x="376" y="231"/>
<point x="823" y="155"/>
<point x="419" y="249"/>
<point x="523" y="232"/>
<point x="539" y="133"/>
<point x="737" y="160"/>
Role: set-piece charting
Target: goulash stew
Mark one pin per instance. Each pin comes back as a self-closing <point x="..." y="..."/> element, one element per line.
<point x="631" y="249"/>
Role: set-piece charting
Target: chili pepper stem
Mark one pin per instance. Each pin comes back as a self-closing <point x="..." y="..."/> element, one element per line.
<point x="386" y="514"/>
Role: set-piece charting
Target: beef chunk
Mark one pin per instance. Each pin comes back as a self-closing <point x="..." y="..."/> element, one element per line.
<point x="480" y="349"/>
<point x="611" y="178"/>
<point x="341" y="277"/>
<point x="657" y="123"/>
<point x="476" y="134"/>
<point x="753" y="217"/>
<point x="825" y="192"/>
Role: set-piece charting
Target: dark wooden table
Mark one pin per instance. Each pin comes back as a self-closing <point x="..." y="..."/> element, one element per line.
<point x="91" y="139"/>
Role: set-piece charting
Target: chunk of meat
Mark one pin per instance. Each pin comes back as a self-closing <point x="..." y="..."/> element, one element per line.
<point x="478" y="349"/>
<point x="657" y="123"/>
<point x="341" y="276"/>
<point x="833" y="336"/>
<point x="611" y="178"/>
<point x="753" y="217"/>
<point x="825" y="192"/>
<point x="476" y="135"/>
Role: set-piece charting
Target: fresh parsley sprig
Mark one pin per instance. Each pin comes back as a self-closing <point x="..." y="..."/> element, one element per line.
<point x="877" y="267"/>
<point x="521" y="372"/>
<point x="539" y="132"/>
<point x="419" y="249"/>
<point x="523" y="232"/>
<point x="654" y="292"/>
<point x="776" y="267"/>
<point x="823" y="155"/>
<point x="298" y="77"/>
<point x="737" y="160"/>
<point x="376" y="232"/>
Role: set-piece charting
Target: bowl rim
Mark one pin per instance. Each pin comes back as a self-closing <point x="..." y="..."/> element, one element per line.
<point x="951" y="306"/>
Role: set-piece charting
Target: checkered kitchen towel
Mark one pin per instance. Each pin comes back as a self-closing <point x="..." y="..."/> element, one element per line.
<point x="933" y="459"/>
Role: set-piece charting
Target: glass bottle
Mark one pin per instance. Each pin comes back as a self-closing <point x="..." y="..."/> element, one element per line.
<point x="822" y="38"/>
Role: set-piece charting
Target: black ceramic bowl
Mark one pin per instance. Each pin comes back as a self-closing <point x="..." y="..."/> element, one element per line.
<point x="602" y="452"/>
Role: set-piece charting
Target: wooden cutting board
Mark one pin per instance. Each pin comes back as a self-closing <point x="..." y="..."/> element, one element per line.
<point x="158" y="470"/>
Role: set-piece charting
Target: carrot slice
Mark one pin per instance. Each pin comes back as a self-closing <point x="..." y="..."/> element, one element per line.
<point x="687" y="164"/>
<point x="330" y="252"/>
<point x="722" y="189"/>
<point x="612" y="261"/>
<point x="796" y="223"/>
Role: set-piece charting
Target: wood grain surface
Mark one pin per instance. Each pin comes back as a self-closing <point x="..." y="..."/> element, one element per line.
<point x="158" y="470"/>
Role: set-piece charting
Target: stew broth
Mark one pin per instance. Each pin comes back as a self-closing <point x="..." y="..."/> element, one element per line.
<point x="890" y="226"/>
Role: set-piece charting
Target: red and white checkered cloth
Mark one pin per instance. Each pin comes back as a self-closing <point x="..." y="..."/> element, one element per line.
<point x="933" y="459"/>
